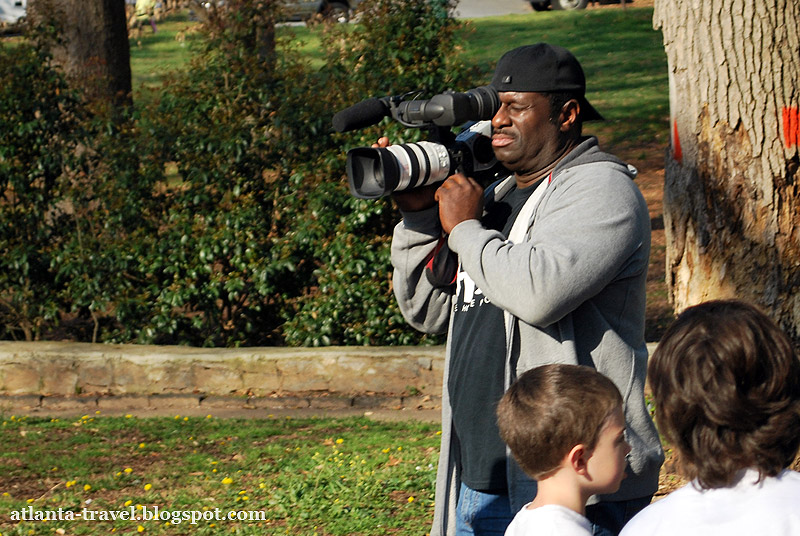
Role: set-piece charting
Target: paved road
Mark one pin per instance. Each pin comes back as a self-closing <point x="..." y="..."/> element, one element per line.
<point x="469" y="9"/>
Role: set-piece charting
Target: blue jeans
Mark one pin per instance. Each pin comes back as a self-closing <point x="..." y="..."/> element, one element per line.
<point x="488" y="514"/>
<point x="479" y="513"/>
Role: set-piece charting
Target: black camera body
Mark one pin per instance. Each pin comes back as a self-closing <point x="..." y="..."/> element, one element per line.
<point x="375" y="172"/>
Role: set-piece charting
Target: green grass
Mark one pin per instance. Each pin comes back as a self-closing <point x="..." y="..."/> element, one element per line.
<point x="311" y="476"/>
<point x="622" y="55"/>
<point x="155" y="56"/>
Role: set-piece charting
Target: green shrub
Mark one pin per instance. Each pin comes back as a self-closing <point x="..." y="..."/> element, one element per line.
<point x="218" y="215"/>
<point x="352" y="302"/>
<point x="75" y="195"/>
<point x="39" y="139"/>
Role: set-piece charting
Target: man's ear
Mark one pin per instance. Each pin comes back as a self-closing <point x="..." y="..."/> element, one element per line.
<point x="578" y="459"/>
<point x="569" y="115"/>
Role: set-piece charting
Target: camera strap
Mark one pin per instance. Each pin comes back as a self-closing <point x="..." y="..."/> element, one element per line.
<point x="521" y="225"/>
<point x="517" y="235"/>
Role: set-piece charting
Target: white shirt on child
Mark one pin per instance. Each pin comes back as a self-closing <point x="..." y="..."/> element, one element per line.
<point x="549" y="520"/>
<point x="770" y="507"/>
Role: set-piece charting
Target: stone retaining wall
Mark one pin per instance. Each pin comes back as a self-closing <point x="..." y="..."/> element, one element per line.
<point x="57" y="375"/>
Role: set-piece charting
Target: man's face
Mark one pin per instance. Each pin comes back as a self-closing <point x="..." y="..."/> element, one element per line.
<point x="523" y="138"/>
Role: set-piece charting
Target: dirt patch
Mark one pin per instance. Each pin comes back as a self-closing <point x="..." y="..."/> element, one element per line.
<point x="649" y="161"/>
<point x="602" y="4"/>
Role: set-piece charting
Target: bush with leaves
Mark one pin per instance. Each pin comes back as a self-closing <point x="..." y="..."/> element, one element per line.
<point x="212" y="273"/>
<point x="71" y="217"/>
<point x="219" y="215"/>
<point x="38" y="117"/>
<point x="352" y="301"/>
<point x="258" y="148"/>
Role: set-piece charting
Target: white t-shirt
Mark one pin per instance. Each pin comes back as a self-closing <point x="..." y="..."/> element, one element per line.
<point x="771" y="507"/>
<point x="549" y="520"/>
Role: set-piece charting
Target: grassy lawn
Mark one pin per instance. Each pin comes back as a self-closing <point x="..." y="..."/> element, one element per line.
<point x="155" y="55"/>
<point x="310" y="476"/>
<point x="622" y="55"/>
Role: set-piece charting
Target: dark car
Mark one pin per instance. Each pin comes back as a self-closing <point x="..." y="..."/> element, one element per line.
<point x="339" y="10"/>
<point x="295" y="10"/>
<point x="544" y="5"/>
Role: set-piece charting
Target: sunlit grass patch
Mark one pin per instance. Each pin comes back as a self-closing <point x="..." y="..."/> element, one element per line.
<point x="348" y="476"/>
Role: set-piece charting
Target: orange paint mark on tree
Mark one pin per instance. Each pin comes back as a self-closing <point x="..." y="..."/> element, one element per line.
<point x="677" y="152"/>
<point x="791" y="126"/>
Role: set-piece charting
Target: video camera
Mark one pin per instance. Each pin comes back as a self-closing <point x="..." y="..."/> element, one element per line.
<point x="375" y="172"/>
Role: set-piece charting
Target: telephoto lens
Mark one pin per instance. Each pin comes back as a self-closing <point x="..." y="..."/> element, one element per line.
<point x="375" y="172"/>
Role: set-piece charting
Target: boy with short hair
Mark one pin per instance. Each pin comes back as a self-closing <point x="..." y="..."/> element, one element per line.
<point x="565" y="427"/>
<point x="726" y="386"/>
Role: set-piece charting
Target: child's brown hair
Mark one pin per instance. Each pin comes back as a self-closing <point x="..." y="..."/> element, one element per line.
<point x="726" y="385"/>
<point x="552" y="408"/>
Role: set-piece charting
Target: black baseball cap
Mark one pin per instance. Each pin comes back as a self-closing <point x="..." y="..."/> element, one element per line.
<point x="543" y="68"/>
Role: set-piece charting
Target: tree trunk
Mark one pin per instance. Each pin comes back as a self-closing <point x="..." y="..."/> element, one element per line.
<point x="731" y="180"/>
<point x="93" y="51"/>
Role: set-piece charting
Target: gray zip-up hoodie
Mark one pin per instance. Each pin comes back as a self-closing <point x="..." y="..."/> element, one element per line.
<point x="575" y="290"/>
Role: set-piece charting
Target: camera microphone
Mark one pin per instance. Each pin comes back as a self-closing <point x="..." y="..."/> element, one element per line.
<point x="364" y="114"/>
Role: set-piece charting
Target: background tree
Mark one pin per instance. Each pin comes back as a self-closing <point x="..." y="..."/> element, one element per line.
<point x="91" y="45"/>
<point x="731" y="185"/>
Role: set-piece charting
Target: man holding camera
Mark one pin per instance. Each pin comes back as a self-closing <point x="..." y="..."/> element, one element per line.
<point x="552" y="263"/>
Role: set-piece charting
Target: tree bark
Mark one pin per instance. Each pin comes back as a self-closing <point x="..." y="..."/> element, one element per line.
<point x="93" y="48"/>
<point x="731" y="194"/>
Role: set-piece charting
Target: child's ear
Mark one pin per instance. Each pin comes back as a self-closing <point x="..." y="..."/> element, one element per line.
<point x="578" y="458"/>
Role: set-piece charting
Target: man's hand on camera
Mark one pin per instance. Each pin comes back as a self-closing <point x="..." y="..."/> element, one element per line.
<point x="382" y="142"/>
<point x="460" y="199"/>
<point x="415" y="199"/>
